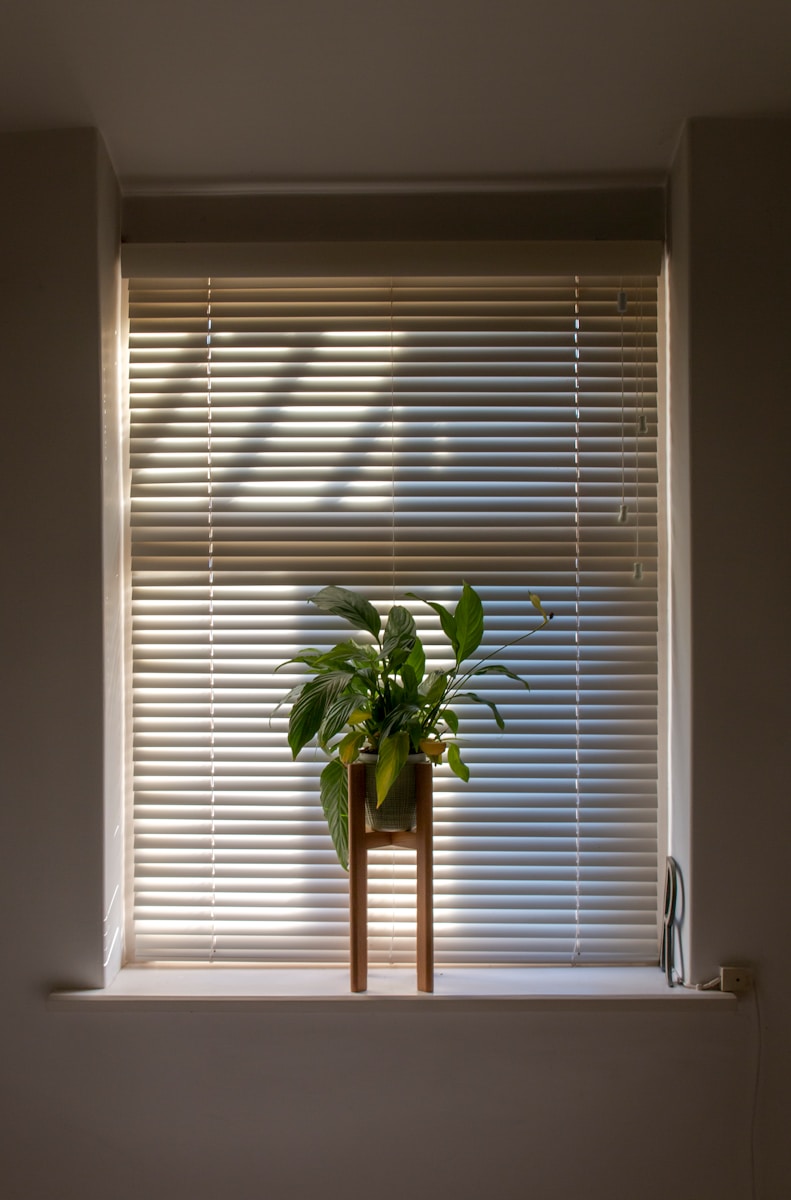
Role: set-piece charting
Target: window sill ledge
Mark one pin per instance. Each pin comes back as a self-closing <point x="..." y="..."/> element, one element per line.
<point x="389" y="988"/>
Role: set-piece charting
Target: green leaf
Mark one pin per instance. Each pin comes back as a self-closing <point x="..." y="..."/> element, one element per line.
<point x="476" y="699"/>
<point x="416" y="734"/>
<point x="309" y="656"/>
<point x="456" y="765"/>
<point x="355" y="609"/>
<point x="410" y="683"/>
<point x="311" y="707"/>
<point x="451" y="720"/>
<point x="335" y="803"/>
<point x="305" y="721"/>
<point x="499" y="669"/>
<point x="393" y="753"/>
<point x="368" y="678"/>
<point x="469" y="622"/>
<point x="400" y="632"/>
<point x="345" y="653"/>
<point x="417" y="660"/>
<point x="446" y="620"/>
<point x="337" y="717"/>
<point x="398" y="718"/>
<point x="292" y="696"/>
<point x="437" y="686"/>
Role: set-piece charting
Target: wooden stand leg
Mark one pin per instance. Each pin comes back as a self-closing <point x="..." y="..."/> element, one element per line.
<point x="359" y="844"/>
<point x="425" y="880"/>
<point x="358" y="879"/>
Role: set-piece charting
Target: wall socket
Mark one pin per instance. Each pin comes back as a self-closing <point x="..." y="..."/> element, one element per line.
<point x="738" y="980"/>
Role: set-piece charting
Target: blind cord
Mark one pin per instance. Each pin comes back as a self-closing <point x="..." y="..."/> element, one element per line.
<point x="392" y="454"/>
<point x="210" y="518"/>
<point x="393" y="589"/>
<point x="623" y="511"/>
<point x="577" y="954"/>
<point x="637" y="569"/>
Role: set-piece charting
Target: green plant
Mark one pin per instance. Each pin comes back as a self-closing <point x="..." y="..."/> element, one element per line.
<point x="377" y="695"/>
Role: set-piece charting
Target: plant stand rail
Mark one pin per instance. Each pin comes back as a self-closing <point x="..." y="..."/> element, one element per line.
<point x="361" y="841"/>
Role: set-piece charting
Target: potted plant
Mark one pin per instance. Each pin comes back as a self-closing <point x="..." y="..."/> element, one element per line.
<point x="375" y="696"/>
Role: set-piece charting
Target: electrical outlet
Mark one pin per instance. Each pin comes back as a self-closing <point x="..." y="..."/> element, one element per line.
<point x="738" y="980"/>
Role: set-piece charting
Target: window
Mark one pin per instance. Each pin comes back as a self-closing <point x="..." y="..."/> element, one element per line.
<point x="394" y="435"/>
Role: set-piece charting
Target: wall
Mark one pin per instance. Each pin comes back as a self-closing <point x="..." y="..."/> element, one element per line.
<point x="51" y="481"/>
<point x="730" y="251"/>
<point x="595" y="1103"/>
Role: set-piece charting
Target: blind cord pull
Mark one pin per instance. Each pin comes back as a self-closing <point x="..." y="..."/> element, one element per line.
<point x="640" y="428"/>
<point x="623" y="511"/>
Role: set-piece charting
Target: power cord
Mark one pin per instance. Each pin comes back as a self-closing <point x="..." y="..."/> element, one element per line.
<point x="711" y="985"/>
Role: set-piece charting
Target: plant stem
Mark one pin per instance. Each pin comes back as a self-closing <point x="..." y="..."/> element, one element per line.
<point x="515" y="642"/>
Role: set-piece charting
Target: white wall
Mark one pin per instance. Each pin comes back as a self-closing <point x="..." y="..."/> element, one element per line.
<point x="283" y="1104"/>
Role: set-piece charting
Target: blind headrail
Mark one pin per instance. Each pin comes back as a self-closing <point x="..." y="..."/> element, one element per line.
<point x="443" y="259"/>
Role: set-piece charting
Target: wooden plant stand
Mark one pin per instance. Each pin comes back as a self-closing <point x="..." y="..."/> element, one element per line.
<point x="360" y="842"/>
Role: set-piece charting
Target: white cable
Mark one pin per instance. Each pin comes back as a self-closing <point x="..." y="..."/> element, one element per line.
<point x="711" y="985"/>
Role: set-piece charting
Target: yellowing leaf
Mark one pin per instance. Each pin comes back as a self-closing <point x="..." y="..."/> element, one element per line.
<point x="349" y="748"/>
<point x="535" y="601"/>
<point x="431" y="748"/>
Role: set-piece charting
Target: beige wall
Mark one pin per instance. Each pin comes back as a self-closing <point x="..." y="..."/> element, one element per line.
<point x="51" y="477"/>
<point x="730" y="254"/>
<point x="503" y="1104"/>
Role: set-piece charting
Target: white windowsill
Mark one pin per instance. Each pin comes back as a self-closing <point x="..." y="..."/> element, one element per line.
<point x="455" y="988"/>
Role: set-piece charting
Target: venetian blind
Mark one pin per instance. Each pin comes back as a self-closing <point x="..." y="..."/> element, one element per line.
<point x="392" y="436"/>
